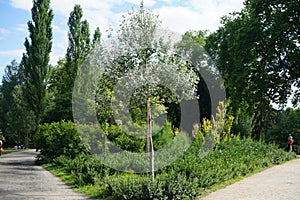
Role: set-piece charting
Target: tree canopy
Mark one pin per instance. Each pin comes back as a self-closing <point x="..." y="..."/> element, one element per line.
<point x="257" y="52"/>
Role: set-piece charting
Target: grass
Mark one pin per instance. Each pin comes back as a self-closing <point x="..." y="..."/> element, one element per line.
<point x="66" y="178"/>
<point x="93" y="191"/>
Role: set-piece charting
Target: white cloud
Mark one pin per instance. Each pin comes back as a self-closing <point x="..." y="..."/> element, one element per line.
<point x="182" y="19"/>
<point x="147" y="3"/>
<point x="98" y="13"/>
<point x="222" y="5"/>
<point x="176" y="15"/>
<point x="22" y="27"/>
<point x="15" y="53"/>
<point x="3" y="33"/>
<point x="22" y="4"/>
<point x="197" y="14"/>
<point x="216" y="8"/>
<point x="65" y="7"/>
<point x="167" y="1"/>
<point x="193" y="14"/>
<point x="55" y="57"/>
<point x="95" y="10"/>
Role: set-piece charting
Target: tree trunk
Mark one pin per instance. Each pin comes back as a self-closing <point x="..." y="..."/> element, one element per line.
<point x="150" y="149"/>
<point x="26" y="139"/>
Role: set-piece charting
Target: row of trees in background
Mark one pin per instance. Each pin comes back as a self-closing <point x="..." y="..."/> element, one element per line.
<point x="33" y="91"/>
<point x="25" y="83"/>
<point x="256" y="51"/>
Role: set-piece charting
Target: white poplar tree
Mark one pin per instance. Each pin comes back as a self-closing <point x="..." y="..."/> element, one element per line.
<point x="154" y="64"/>
<point x="140" y="63"/>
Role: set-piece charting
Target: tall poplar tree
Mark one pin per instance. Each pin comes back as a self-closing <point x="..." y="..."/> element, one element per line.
<point x="79" y="43"/>
<point x="64" y="74"/>
<point x="97" y="36"/>
<point x="78" y="48"/>
<point x="35" y="62"/>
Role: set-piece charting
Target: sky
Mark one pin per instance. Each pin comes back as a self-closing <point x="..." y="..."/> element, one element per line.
<point x="176" y="15"/>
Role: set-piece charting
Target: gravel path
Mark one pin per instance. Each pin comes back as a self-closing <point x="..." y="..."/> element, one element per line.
<point x="21" y="179"/>
<point x="281" y="182"/>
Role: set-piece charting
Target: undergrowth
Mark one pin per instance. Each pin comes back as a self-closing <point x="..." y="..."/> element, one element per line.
<point x="188" y="177"/>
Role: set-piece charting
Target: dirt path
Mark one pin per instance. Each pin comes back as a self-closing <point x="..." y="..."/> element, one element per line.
<point x="281" y="182"/>
<point x="21" y="179"/>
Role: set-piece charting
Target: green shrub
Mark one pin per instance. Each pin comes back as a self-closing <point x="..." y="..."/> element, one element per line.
<point x="234" y="158"/>
<point x="191" y="174"/>
<point x="180" y="186"/>
<point x="163" y="137"/>
<point x="56" y="139"/>
<point x="186" y="178"/>
<point x="171" y="186"/>
<point x="135" y="187"/>
<point x="85" y="168"/>
<point x="137" y="143"/>
<point x="127" y="142"/>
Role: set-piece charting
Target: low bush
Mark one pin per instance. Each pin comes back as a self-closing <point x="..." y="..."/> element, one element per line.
<point x="135" y="187"/>
<point x="192" y="174"/>
<point x="56" y="139"/>
<point x="85" y="168"/>
<point x="188" y="175"/>
<point x="137" y="143"/>
<point x="170" y="186"/>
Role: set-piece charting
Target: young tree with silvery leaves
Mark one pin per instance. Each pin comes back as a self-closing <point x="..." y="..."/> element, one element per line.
<point x="141" y="65"/>
<point x="137" y="67"/>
